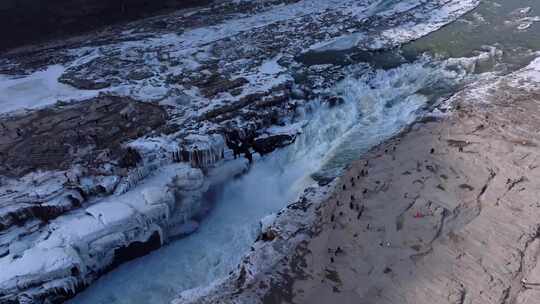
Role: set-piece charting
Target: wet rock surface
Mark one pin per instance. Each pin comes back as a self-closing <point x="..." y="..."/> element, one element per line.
<point x="268" y="144"/>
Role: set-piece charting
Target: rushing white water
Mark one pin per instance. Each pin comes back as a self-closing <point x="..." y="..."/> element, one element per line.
<point x="377" y="104"/>
<point x="383" y="102"/>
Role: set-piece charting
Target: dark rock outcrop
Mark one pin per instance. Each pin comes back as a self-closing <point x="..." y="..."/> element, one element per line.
<point x="135" y="250"/>
<point x="268" y="144"/>
<point x="130" y="159"/>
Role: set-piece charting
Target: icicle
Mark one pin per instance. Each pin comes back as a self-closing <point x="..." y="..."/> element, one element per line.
<point x="134" y="176"/>
<point x="202" y="151"/>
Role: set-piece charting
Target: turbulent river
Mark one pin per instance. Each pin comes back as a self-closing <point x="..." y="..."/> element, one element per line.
<point x="381" y="95"/>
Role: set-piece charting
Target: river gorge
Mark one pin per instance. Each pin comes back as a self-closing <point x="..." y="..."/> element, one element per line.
<point x="213" y="121"/>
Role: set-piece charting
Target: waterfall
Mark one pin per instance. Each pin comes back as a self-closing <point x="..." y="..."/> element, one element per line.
<point x="377" y="104"/>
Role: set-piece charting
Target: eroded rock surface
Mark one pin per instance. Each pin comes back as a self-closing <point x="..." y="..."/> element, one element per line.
<point x="58" y="138"/>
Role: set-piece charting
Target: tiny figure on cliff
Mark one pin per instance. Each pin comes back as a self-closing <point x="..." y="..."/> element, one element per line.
<point x="360" y="212"/>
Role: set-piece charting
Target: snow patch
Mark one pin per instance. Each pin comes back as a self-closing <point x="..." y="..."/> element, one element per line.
<point x="38" y="90"/>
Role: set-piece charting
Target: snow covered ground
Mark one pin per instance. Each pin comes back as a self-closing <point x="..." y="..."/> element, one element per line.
<point x="40" y="89"/>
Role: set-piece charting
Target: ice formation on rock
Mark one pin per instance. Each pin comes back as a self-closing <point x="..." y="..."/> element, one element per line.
<point x="77" y="247"/>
